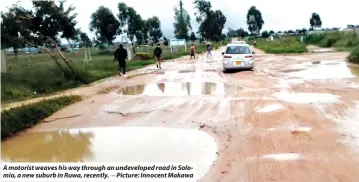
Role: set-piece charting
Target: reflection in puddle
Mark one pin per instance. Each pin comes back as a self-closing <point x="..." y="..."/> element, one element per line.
<point x="325" y="71"/>
<point x="115" y="144"/>
<point x="180" y="89"/>
<point x="354" y="70"/>
<point x="306" y="98"/>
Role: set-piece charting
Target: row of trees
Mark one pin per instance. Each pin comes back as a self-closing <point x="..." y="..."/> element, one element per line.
<point x="128" y="23"/>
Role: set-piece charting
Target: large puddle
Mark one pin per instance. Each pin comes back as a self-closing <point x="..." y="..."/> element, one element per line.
<point x="115" y="144"/>
<point x="180" y="89"/>
<point x="327" y="70"/>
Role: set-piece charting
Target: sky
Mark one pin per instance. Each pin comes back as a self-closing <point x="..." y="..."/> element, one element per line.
<point x="277" y="14"/>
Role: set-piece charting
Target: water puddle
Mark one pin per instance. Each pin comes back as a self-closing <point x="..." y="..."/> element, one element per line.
<point x="306" y="98"/>
<point x="325" y="71"/>
<point x="180" y="89"/>
<point x="300" y="128"/>
<point x="293" y="70"/>
<point x="348" y="126"/>
<point x="354" y="70"/>
<point x="293" y="128"/>
<point x="282" y="156"/>
<point x="270" y="108"/>
<point x="114" y="144"/>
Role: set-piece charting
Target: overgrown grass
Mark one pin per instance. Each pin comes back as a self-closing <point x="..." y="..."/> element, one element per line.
<point x="40" y="76"/>
<point x="285" y="45"/>
<point x="34" y="75"/>
<point x="340" y="40"/>
<point x="354" y="55"/>
<point x="20" y="118"/>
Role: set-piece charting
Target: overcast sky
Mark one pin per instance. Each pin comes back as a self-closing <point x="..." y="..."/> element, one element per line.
<point x="277" y="14"/>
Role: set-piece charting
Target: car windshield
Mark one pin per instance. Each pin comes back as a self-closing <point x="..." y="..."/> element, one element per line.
<point x="238" y="50"/>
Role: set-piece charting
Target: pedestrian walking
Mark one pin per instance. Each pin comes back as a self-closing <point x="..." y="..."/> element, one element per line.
<point x="157" y="53"/>
<point x="193" y="51"/>
<point x="254" y="43"/>
<point x="121" y="56"/>
<point x="209" y="49"/>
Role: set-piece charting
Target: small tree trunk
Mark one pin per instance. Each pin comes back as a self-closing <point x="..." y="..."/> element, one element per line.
<point x="73" y="53"/>
<point x="68" y="64"/>
<point x="15" y="53"/>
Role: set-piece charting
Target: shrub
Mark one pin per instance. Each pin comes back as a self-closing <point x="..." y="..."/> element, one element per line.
<point x="286" y="45"/>
<point x="142" y="56"/>
<point x="333" y="39"/>
<point x="20" y="118"/>
<point x="354" y="55"/>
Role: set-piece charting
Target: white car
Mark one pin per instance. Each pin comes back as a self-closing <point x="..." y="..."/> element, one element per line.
<point x="238" y="56"/>
<point x="239" y="42"/>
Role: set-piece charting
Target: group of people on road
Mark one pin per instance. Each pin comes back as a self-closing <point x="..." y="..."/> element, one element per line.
<point x="121" y="55"/>
<point x="193" y="51"/>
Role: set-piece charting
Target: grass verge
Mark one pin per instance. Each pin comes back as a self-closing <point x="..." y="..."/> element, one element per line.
<point x="282" y="46"/>
<point x="20" y="118"/>
<point x="339" y="40"/>
<point x="354" y="55"/>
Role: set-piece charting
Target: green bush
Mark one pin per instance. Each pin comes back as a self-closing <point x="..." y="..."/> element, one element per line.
<point x="143" y="56"/>
<point x="354" y="55"/>
<point x="20" y="118"/>
<point x="286" y="45"/>
<point x="333" y="39"/>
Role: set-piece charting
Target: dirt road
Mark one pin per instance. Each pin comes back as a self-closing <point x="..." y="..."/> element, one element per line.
<point x="294" y="119"/>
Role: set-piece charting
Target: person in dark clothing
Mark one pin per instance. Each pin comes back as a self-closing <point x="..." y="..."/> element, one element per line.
<point x="121" y="56"/>
<point x="157" y="53"/>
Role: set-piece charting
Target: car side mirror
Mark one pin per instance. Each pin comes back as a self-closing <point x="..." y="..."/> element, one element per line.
<point x="253" y="53"/>
<point x="222" y="53"/>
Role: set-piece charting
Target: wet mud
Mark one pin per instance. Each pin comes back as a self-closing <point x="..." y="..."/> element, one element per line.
<point x="293" y="119"/>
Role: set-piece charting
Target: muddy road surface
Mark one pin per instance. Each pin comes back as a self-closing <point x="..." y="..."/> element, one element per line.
<point x="294" y="119"/>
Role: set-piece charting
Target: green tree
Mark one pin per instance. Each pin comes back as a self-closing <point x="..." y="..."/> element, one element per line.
<point x="265" y="34"/>
<point x="131" y="22"/>
<point x="271" y="32"/>
<point x="105" y="25"/>
<point x="181" y="24"/>
<point x="42" y="26"/>
<point x="232" y="33"/>
<point x="193" y="37"/>
<point x="154" y="29"/>
<point x="315" y="21"/>
<point x="144" y="32"/>
<point x="242" y="33"/>
<point x="85" y="41"/>
<point x="254" y="20"/>
<point x="223" y="36"/>
<point x="165" y="41"/>
<point x="211" y="22"/>
<point x="68" y="22"/>
<point x="9" y="32"/>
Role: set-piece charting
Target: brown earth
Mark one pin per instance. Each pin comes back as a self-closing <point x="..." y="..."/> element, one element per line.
<point x="261" y="136"/>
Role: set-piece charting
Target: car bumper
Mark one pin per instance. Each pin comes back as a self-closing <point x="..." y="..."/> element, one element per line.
<point x="231" y="65"/>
